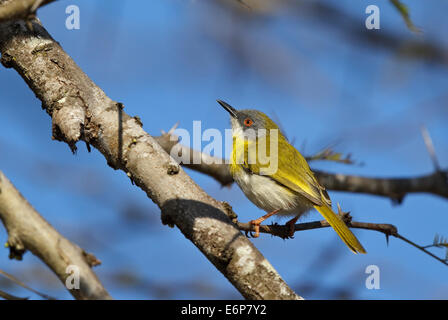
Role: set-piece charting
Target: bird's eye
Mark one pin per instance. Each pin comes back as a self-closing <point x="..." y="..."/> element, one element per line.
<point x="248" y="122"/>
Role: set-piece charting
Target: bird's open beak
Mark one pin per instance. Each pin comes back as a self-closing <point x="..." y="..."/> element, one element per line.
<point x="229" y="108"/>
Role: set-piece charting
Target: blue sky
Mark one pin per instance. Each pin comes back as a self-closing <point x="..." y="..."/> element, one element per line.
<point x="168" y="61"/>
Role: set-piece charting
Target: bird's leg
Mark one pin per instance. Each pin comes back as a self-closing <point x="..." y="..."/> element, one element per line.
<point x="256" y="223"/>
<point x="291" y="225"/>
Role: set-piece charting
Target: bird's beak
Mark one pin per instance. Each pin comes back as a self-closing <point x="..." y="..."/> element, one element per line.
<point x="229" y="108"/>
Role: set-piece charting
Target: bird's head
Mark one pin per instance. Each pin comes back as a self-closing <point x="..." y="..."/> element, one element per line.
<point x="249" y="123"/>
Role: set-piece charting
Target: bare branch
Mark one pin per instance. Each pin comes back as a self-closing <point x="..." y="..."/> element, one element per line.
<point x="81" y="111"/>
<point x="23" y="285"/>
<point x="282" y="231"/>
<point x="394" y="188"/>
<point x="17" y="9"/>
<point x="422" y="248"/>
<point x="8" y="296"/>
<point x="27" y="230"/>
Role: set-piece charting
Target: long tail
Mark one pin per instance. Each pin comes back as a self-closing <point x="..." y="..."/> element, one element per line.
<point x="341" y="229"/>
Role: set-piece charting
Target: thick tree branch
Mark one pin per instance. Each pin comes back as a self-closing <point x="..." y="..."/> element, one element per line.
<point x="82" y="111"/>
<point x="27" y="230"/>
<point x="394" y="188"/>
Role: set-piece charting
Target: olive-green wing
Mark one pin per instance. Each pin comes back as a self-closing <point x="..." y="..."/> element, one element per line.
<point x="294" y="173"/>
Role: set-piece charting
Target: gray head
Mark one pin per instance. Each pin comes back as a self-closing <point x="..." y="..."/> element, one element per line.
<point x="248" y="122"/>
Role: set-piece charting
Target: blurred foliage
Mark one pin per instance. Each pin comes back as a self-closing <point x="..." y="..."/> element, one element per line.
<point x="440" y="242"/>
<point x="404" y="11"/>
<point x="328" y="154"/>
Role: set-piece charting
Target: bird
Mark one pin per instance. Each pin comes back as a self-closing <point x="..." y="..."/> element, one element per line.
<point x="287" y="187"/>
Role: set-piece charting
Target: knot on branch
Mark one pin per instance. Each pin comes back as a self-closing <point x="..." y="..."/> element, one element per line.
<point x="172" y="168"/>
<point x="345" y="216"/>
<point x="229" y="211"/>
<point x="397" y="199"/>
<point x="16" y="247"/>
<point x="91" y="260"/>
<point x="68" y="122"/>
<point x="389" y="229"/>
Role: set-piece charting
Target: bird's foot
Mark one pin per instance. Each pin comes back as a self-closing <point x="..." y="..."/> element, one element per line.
<point x="291" y="227"/>
<point x="256" y="225"/>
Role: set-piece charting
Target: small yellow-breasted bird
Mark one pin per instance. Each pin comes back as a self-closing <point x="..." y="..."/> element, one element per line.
<point x="291" y="189"/>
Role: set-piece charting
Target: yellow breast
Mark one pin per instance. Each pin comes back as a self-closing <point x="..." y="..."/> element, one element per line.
<point x="263" y="191"/>
<point x="238" y="158"/>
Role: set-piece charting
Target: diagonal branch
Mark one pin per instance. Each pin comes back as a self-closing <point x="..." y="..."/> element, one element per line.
<point x="16" y="9"/>
<point x="23" y="285"/>
<point x="8" y="296"/>
<point x="27" y="230"/>
<point x="81" y="111"/>
<point x="394" y="188"/>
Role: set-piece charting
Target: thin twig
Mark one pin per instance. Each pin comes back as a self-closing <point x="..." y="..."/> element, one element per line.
<point x="421" y="248"/>
<point x="282" y="231"/>
<point x="23" y="285"/>
<point x="8" y="296"/>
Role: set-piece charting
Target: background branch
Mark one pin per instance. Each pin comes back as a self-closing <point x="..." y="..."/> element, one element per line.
<point x="23" y="285"/>
<point x="394" y="188"/>
<point x="15" y="9"/>
<point x="27" y="230"/>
